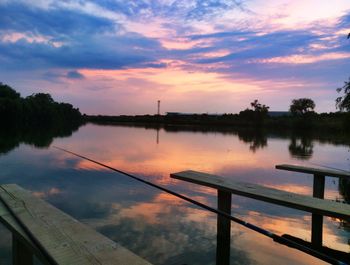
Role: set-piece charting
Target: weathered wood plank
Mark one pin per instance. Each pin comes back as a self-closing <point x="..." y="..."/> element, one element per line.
<point x="11" y="224"/>
<point x="64" y="239"/>
<point x="315" y="171"/>
<point x="291" y="200"/>
<point x="7" y="219"/>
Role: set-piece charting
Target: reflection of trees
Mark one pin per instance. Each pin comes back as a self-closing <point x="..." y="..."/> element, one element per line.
<point x="34" y="120"/>
<point x="256" y="138"/>
<point x="301" y="148"/>
<point x="37" y="136"/>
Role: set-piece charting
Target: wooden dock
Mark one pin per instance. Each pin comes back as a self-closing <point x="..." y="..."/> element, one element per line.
<point x="42" y="230"/>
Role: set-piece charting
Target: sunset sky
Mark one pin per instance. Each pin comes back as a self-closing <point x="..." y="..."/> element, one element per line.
<point x="216" y="56"/>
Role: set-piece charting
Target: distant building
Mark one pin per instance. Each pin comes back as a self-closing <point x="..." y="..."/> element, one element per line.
<point x="278" y="113"/>
<point x="191" y="114"/>
<point x="175" y="113"/>
<point x="270" y="113"/>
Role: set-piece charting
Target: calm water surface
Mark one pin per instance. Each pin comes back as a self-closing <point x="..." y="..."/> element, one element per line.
<point x="160" y="227"/>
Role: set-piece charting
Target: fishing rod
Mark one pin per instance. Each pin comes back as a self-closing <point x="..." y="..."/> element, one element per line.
<point x="346" y="171"/>
<point x="280" y="239"/>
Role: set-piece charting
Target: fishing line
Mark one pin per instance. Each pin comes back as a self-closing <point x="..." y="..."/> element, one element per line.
<point x="275" y="237"/>
<point x="346" y="171"/>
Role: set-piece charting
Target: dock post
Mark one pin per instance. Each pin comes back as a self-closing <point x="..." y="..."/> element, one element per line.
<point x="21" y="254"/>
<point x="223" y="242"/>
<point x="317" y="220"/>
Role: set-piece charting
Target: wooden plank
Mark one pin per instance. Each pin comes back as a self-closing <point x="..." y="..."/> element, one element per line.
<point x="8" y="220"/>
<point x="65" y="240"/>
<point x="17" y="231"/>
<point x="315" y="171"/>
<point x="291" y="200"/>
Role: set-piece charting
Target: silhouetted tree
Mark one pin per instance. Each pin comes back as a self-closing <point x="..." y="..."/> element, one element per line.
<point x="257" y="107"/>
<point x="37" y="109"/>
<point x="8" y="92"/>
<point x="10" y="105"/>
<point x="257" y="114"/>
<point x="302" y="106"/>
<point x="343" y="102"/>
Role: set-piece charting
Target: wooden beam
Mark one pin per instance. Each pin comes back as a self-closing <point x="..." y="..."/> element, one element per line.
<point x="316" y="229"/>
<point x="21" y="254"/>
<point x="315" y="171"/>
<point x="223" y="235"/>
<point x="291" y="200"/>
<point x="17" y="231"/>
<point x="63" y="239"/>
<point x="316" y="219"/>
<point x="318" y="187"/>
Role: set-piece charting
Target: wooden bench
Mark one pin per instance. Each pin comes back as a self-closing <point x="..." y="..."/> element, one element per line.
<point x="315" y="170"/>
<point x="225" y="187"/>
<point x="317" y="191"/>
<point x="289" y="199"/>
<point x="319" y="176"/>
<point x="54" y="237"/>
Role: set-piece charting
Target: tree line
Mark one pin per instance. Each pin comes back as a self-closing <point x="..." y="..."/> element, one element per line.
<point x="301" y="115"/>
<point x="41" y="109"/>
<point x="37" y="109"/>
<point x="303" y="106"/>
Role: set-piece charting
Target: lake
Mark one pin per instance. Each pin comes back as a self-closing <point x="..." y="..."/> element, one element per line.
<point x="160" y="227"/>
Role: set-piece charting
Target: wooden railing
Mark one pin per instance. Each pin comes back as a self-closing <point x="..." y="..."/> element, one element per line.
<point x="40" y="229"/>
<point x="225" y="187"/>
<point x="318" y="192"/>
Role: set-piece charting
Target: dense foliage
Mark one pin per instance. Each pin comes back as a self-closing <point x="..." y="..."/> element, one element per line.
<point x="343" y="102"/>
<point x="37" y="109"/>
<point x="258" y="107"/>
<point x="257" y="114"/>
<point x="302" y="106"/>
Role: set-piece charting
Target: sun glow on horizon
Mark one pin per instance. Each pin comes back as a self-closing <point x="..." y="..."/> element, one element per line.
<point x="217" y="54"/>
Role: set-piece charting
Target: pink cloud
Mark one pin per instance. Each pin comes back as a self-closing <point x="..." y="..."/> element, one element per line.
<point x="304" y="59"/>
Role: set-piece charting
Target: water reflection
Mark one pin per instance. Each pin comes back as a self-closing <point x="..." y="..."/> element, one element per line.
<point x="301" y="148"/>
<point x="40" y="137"/>
<point x="163" y="229"/>
<point x="257" y="139"/>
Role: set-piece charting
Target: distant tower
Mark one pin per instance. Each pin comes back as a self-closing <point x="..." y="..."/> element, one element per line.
<point x="158" y="107"/>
